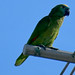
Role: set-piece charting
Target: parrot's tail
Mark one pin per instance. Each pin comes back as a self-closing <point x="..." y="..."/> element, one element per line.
<point x="21" y="59"/>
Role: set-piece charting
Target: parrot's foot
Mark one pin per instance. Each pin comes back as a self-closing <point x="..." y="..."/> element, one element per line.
<point x="53" y="48"/>
<point x="42" y="46"/>
<point x="37" y="51"/>
<point x="73" y="55"/>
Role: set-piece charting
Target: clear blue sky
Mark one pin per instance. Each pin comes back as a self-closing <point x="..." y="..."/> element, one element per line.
<point x="18" y="19"/>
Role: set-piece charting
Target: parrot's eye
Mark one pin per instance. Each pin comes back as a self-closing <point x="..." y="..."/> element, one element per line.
<point x="63" y="7"/>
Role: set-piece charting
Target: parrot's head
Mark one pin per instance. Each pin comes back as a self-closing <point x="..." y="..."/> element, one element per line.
<point x="60" y="11"/>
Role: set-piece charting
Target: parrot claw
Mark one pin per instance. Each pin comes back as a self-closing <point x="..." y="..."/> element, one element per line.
<point x="73" y="55"/>
<point x="37" y="51"/>
<point x="53" y="48"/>
<point x="42" y="46"/>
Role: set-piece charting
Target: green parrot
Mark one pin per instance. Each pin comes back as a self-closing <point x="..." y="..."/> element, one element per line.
<point x="47" y="29"/>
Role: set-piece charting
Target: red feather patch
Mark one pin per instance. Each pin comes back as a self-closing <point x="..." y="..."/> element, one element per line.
<point x="34" y="38"/>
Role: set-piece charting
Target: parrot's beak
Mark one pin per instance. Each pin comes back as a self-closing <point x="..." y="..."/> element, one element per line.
<point x="67" y="12"/>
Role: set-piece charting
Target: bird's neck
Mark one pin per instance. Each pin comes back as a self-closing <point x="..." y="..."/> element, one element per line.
<point x="57" y="21"/>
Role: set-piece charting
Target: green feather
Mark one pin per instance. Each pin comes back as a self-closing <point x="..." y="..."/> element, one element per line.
<point x="21" y="59"/>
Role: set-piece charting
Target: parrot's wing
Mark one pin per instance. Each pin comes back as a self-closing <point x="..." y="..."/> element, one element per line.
<point x="40" y="28"/>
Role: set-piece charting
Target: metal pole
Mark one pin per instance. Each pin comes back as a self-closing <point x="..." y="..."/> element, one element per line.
<point x="49" y="53"/>
<point x="64" y="68"/>
<point x="72" y="71"/>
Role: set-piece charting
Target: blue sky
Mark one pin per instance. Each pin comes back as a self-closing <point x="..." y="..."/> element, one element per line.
<point x="18" y="19"/>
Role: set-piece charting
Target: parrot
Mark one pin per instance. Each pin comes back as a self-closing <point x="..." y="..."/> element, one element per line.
<point x="46" y="29"/>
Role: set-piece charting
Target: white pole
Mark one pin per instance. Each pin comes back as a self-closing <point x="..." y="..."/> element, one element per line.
<point x="49" y="53"/>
